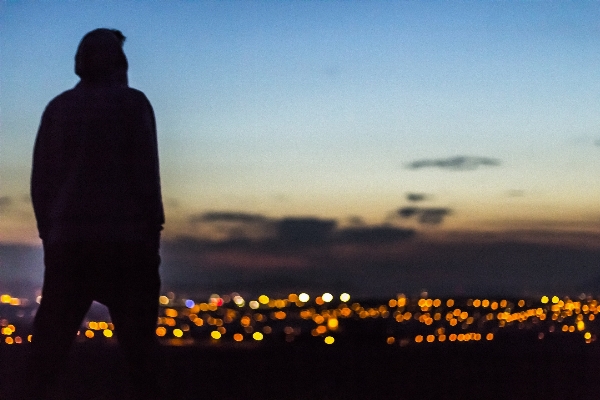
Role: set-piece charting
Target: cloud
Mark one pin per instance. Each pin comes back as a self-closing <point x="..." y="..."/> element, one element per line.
<point x="356" y="221"/>
<point x="171" y="202"/>
<point x="433" y="216"/>
<point x="226" y="216"/>
<point x="373" y="235"/>
<point x="297" y="231"/>
<point x="407" y="212"/>
<point x="458" y="163"/>
<point x="416" y="197"/>
<point x="5" y="202"/>
<point x="425" y="215"/>
<point x="227" y="225"/>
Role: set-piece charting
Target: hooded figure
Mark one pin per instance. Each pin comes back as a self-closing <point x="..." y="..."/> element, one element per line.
<point x="95" y="167"/>
<point x="96" y="194"/>
<point x="100" y="57"/>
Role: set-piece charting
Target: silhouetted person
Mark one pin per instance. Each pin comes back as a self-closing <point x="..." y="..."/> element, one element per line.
<point x="96" y="194"/>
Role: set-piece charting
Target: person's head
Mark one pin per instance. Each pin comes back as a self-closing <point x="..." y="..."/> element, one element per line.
<point x="100" y="56"/>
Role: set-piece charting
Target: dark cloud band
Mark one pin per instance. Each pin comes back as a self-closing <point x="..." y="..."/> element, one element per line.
<point x="425" y="215"/>
<point x="459" y="163"/>
<point x="225" y="216"/>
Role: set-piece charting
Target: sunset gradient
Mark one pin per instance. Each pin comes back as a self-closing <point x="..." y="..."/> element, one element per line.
<point x="336" y="111"/>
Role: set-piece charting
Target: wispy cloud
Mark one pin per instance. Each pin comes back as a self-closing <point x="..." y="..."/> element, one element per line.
<point x="232" y="225"/>
<point x="355" y="221"/>
<point x="425" y="215"/>
<point x="5" y="202"/>
<point x="226" y="216"/>
<point x="433" y="216"/>
<point x="458" y="163"/>
<point x="407" y="212"/>
<point x="171" y="202"/>
<point x="416" y="197"/>
<point x="220" y="229"/>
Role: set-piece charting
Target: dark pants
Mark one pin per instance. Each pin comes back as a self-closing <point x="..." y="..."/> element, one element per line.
<point x="123" y="276"/>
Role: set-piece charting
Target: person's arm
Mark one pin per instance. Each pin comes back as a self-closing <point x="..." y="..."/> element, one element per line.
<point x="44" y="174"/>
<point x="147" y="166"/>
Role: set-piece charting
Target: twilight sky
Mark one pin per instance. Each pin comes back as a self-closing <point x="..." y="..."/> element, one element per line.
<point x="488" y="112"/>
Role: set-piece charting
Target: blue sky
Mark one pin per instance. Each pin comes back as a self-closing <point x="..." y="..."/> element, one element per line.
<point x="295" y="108"/>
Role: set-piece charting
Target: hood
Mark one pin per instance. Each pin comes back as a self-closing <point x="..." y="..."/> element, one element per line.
<point x="100" y="57"/>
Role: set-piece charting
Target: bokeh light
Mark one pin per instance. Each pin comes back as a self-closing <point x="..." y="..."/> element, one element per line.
<point x="161" y="331"/>
<point x="303" y="297"/>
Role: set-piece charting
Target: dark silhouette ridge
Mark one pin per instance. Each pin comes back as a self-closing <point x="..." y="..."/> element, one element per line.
<point x="95" y="189"/>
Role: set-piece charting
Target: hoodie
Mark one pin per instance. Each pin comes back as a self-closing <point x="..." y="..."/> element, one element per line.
<point x="95" y="174"/>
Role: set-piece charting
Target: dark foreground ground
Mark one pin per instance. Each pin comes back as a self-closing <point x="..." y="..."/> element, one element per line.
<point x="484" y="370"/>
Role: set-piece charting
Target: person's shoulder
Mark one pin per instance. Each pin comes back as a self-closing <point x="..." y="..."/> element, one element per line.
<point x="66" y="95"/>
<point x="134" y="93"/>
<point x="63" y="99"/>
<point x="136" y="96"/>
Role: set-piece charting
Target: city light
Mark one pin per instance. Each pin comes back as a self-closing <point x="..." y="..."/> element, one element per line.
<point x="238" y="300"/>
<point x="332" y="324"/>
<point x="402" y="320"/>
<point x="303" y="297"/>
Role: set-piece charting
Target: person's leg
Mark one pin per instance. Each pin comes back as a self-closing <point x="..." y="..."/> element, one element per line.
<point x="62" y="308"/>
<point x="134" y="311"/>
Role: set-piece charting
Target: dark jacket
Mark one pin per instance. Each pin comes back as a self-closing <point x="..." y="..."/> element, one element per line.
<point x="95" y="164"/>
